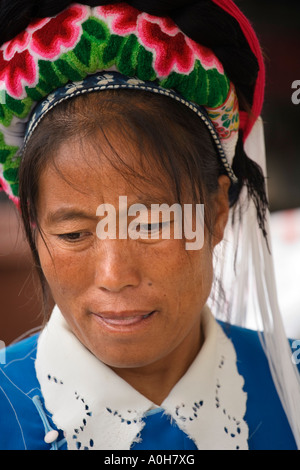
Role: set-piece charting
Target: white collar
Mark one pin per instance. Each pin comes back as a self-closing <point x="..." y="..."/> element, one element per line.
<point x="97" y="408"/>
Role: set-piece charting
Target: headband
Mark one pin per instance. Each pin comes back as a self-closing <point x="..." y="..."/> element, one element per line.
<point x="116" y="81"/>
<point x="80" y="41"/>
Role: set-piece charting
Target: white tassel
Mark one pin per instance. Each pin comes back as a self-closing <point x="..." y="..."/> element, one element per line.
<point x="253" y="293"/>
<point x="277" y="349"/>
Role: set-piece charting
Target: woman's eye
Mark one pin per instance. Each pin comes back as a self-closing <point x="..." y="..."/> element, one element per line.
<point x="150" y="227"/>
<point x="153" y="228"/>
<point x="72" y="236"/>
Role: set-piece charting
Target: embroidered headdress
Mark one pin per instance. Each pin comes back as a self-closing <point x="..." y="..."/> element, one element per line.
<point x="83" y="40"/>
<point x="76" y="48"/>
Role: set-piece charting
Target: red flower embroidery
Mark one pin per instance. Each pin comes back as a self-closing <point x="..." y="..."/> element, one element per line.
<point x="207" y="58"/>
<point x="43" y="39"/>
<point x="166" y="24"/>
<point x="172" y="53"/>
<point x="18" y="44"/>
<point x="59" y="34"/>
<point x="3" y="185"/>
<point x="124" y="17"/>
<point x="21" y="42"/>
<point x="17" y="73"/>
<point x="172" y="49"/>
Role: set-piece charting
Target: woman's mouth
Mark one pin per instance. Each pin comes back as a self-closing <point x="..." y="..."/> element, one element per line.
<point x="123" y="320"/>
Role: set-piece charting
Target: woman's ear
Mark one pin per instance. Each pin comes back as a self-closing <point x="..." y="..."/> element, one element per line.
<point x="221" y="209"/>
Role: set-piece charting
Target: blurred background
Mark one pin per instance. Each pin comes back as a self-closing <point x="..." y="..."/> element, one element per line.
<point x="277" y="24"/>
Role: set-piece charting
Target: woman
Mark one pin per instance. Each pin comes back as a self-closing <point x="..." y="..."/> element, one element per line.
<point x="120" y="123"/>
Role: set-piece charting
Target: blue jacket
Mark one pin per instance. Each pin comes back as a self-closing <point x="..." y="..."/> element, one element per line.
<point x="24" y="421"/>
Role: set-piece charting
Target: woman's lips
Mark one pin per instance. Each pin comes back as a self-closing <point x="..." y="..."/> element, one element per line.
<point x="123" y="319"/>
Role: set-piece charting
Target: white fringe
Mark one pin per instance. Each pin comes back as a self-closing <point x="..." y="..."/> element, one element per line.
<point x="252" y="291"/>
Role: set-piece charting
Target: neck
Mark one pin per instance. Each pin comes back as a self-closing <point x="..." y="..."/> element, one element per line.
<point x="156" y="380"/>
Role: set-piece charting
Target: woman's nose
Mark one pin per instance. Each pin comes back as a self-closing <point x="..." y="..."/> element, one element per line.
<point x="115" y="266"/>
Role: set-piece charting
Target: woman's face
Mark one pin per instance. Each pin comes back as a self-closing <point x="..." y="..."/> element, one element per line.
<point x="131" y="302"/>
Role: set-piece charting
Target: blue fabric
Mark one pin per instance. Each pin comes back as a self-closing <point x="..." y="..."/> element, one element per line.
<point x="267" y="422"/>
<point x="160" y="434"/>
<point x="21" y="426"/>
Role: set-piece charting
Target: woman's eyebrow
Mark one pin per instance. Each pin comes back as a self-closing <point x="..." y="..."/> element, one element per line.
<point x="66" y="214"/>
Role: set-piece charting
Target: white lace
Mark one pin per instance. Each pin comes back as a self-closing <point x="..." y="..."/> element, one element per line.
<point x="97" y="409"/>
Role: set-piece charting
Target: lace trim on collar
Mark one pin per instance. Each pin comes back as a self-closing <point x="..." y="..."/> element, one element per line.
<point x="97" y="409"/>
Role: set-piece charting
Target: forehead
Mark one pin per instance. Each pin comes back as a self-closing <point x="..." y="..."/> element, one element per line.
<point x="92" y="172"/>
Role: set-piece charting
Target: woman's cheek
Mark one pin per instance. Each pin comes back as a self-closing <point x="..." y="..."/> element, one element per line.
<point x="65" y="271"/>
